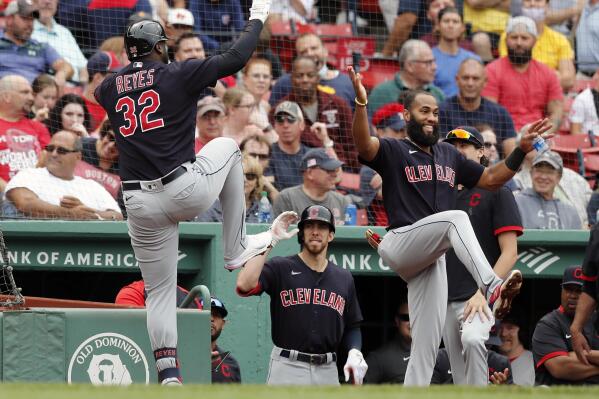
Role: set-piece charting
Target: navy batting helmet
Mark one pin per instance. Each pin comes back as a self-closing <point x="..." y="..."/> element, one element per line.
<point x="315" y="212"/>
<point x="141" y="38"/>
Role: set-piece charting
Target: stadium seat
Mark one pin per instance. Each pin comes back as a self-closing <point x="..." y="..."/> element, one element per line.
<point x="379" y="71"/>
<point x="572" y="141"/>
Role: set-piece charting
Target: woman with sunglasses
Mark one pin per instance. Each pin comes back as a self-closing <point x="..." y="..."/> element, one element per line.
<point x="70" y="113"/>
<point x="239" y="105"/>
<point x="253" y="187"/>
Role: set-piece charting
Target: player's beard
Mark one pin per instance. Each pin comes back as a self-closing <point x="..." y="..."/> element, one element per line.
<point x="214" y="335"/>
<point x="418" y="136"/>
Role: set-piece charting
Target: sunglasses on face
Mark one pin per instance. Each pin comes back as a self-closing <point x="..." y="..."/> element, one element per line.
<point x="109" y="136"/>
<point x="462" y="135"/>
<point x="281" y="118"/>
<point x="60" y="150"/>
<point x="489" y="145"/>
<point x="251" y="176"/>
<point x="261" y="157"/>
<point x="403" y="316"/>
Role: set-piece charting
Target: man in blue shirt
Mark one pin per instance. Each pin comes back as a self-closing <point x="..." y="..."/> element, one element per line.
<point x="469" y="108"/>
<point x="331" y="80"/>
<point x="587" y="36"/>
<point x="220" y="16"/>
<point x="21" y="55"/>
<point x="448" y="53"/>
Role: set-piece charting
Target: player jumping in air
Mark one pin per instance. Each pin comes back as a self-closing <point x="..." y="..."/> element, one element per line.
<point x="151" y="104"/>
<point x="420" y="177"/>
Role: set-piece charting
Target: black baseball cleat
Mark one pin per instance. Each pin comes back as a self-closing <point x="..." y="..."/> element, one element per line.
<point x="501" y="299"/>
<point x="373" y="238"/>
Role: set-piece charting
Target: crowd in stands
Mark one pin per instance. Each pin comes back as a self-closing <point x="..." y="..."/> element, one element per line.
<point x="496" y="68"/>
<point x="494" y="65"/>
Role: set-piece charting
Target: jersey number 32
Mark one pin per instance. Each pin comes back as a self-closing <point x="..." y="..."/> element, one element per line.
<point x="149" y="101"/>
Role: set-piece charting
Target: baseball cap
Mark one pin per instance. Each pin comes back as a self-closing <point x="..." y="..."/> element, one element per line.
<point x="319" y="157"/>
<point x="521" y="22"/>
<point x="103" y="62"/>
<point x="217" y="305"/>
<point x="468" y="134"/>
<point x="494" y="339"/>
<point x="391" y="116"/>
<point x="210" y="103"/>
<point x="180" y="16"/>
<point x="550" y="157"/>
<point x="291" y="108"/>
<point x="24" y="8"/>
<point x="572" y="276"/>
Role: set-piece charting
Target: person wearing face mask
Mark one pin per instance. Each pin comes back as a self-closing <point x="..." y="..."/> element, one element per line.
<point x="507" y="76"/>
<point x="551" y="47"/>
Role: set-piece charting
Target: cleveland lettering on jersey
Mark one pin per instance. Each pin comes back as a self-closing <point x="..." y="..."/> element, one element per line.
<point x="316" y="296"/>
<point x="133" y="81"/>
<point x="419" y="173"/>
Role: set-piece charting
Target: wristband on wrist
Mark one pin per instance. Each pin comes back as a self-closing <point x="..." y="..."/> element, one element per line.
<point x="329" y="144"/>
<point x="514" y="160"/>
<point x="359" y="103"/>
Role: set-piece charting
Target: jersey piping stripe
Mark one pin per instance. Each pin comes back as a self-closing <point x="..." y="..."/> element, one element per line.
<point x="550" y="356"/>
<point x="518" y="229"/>
<point x="459" y="236"/>
<point x="257" y="290"/>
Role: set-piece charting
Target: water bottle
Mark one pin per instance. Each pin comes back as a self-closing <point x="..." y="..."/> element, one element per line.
<point x="264" y="209"/>
<point x="539" y="144"/>
<point x="351" y="215"/>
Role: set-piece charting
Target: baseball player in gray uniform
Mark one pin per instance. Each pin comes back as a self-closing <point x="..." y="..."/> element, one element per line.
<point x="151" y="103"/>
<point x="420" y="177"/>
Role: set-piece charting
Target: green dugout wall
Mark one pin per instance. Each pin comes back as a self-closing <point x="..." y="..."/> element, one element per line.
<point x="41" y="250"/>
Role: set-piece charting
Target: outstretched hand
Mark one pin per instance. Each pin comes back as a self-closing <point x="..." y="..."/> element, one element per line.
<point x="536" y="129"/>
<point x="280" y="225"/>
<point x="359" y="88"/>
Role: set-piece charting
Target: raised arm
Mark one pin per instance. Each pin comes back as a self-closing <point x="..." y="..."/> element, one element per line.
<point x="248" y="277"/>
<point x="235" y="58"/>
<point x="497" y="175"/>
<point x="367" y="145"/>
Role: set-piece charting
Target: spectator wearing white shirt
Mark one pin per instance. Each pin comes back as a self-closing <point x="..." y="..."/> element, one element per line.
<point x="47" y="30"/>
<point x="54" y="192"/>
<point x="584" y="111"/>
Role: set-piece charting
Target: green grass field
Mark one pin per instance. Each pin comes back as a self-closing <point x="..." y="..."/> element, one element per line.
<point x="60" y="391"/>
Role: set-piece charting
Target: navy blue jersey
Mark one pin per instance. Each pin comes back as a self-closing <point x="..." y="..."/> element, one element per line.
<point x="442" y="372"/>
<point x="309" y="310"/>
<point x="152" y="106"/>
<point x="491" y="213"/>
<point x="552" y="338"/>
<point x="417" y="184"/>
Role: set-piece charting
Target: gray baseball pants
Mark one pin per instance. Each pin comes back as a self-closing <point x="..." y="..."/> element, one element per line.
<point x="289" y="371"/>
<point x="465" y="344"/>
<point x="154" y="213"/>
<point x="417" y="254"/>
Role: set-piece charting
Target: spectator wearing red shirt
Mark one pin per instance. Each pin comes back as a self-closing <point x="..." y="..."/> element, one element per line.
<point x="98" y="66"/>
<point x="318" y="106"/>
<point x="21" y="139"/>
<point x="528" y="89"/>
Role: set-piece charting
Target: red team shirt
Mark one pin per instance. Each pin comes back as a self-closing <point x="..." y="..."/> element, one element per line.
<point x="20" y="145"/>
<point x="96" y="112"/>
<point x="525" y="95"/>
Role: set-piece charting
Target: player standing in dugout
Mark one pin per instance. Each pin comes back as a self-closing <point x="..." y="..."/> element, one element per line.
<point x="151" y="103"/>
<point x="420" y="177"/>
<point x="313" y="304"/>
